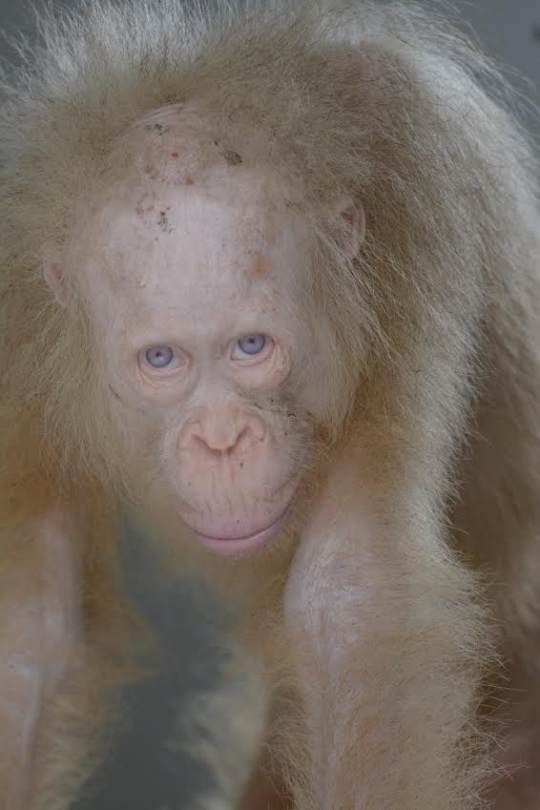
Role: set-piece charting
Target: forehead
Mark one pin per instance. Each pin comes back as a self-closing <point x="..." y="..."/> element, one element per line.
<point x="179" y="205"/>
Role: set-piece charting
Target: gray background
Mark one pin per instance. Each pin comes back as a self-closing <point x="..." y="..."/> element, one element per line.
<point x="144" y="773"/>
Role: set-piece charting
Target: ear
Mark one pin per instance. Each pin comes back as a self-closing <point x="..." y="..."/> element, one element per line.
<point x="353" y="225"/>
<point x="52" y="270"/>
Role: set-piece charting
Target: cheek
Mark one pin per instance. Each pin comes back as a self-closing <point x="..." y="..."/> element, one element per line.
<point x="136" y="426"/>
<point x="317" y="386"/>
<point x="269" y="376"/>
<point x="134" y="394"/>
<point x="155" y="401"/>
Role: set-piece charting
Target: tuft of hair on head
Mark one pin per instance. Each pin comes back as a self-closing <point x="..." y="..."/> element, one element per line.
<point x="384" y="103"/>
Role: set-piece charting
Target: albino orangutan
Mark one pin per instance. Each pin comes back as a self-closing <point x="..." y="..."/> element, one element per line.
<point x="270" y="287"/>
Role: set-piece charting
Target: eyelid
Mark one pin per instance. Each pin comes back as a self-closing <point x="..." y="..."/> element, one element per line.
<point x="179" y="362"/>
<point x="252" y="359"/>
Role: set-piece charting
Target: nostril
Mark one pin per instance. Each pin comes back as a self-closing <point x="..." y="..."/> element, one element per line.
<point x="228" y="446"/>
<point x="242" y="440"/>
<point x="203" y="445"/>
<point x="224" y="437"/>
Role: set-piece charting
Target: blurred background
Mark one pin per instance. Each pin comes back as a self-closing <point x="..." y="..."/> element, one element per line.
<point x="146" y="771"/>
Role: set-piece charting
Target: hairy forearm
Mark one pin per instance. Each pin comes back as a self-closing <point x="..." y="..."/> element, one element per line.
<point x="388" y="649"/>
<point x="21" y="689"/>
<point x="39" y="628"/>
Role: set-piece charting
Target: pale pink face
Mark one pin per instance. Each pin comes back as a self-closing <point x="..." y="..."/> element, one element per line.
<point x="193" y="269"/>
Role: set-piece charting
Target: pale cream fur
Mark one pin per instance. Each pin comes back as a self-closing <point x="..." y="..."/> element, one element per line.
<point x="397" y="618"/>
<point x="42" y="640"/>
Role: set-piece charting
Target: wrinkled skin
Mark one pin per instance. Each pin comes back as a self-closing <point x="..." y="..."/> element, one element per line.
<point x="193" y="266"/>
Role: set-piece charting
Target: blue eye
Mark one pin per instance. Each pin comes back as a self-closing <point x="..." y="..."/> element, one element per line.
<point x="159" y="356"/>
<point x="252" y="344"/>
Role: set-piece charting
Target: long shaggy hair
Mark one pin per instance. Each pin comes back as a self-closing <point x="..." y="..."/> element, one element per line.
<point x="431" y="332"/>
<point x="381" y="102"/>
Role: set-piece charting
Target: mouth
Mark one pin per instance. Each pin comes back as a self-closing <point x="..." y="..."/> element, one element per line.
<point x="242" y="545"/>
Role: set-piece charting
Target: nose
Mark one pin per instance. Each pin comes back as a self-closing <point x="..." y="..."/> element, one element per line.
<point x="224" y="431"/>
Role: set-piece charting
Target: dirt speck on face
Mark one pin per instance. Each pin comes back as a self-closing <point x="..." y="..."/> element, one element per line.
<point x="233" y="158"/>
<point x="260" y="266"/>
<point x="164" y="223"/>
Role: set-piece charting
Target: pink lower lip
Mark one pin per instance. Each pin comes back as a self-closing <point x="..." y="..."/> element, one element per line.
<point x="239" y="545"/>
